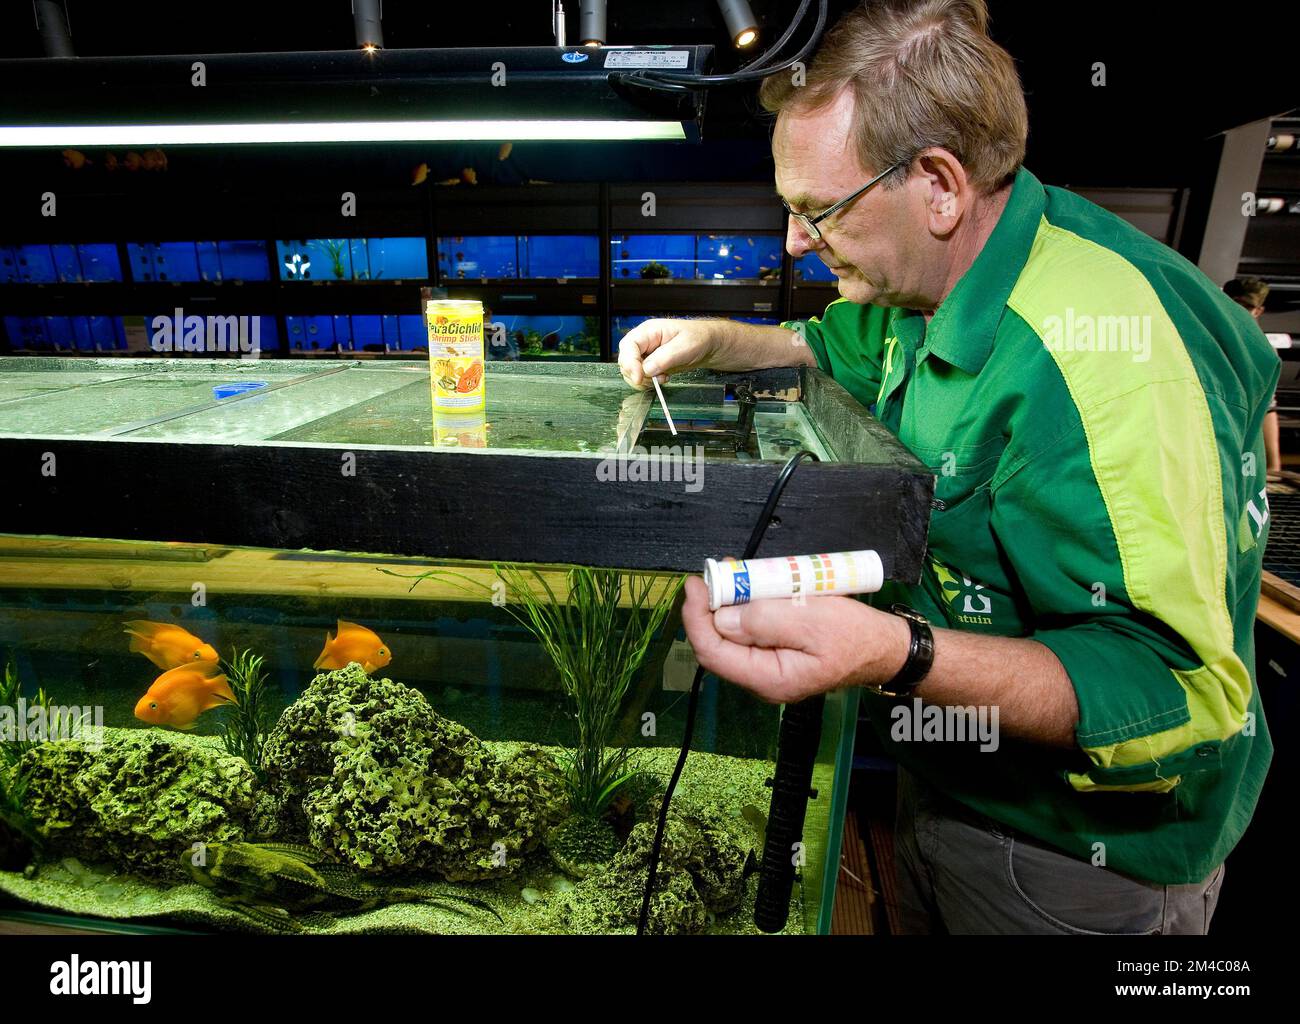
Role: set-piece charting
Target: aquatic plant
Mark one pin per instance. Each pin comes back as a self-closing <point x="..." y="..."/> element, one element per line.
<point x="335" y="247"/>
<point x="597" y="639"/>
<point x="57" y="721"/>
<point x="247" y="722"/>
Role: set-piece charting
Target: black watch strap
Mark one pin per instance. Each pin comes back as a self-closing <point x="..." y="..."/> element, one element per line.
<point x="920" y="654"/>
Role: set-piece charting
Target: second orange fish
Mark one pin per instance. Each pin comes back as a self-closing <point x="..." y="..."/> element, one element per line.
<point x="353" y="643"/>
<point x="168" y="645"/>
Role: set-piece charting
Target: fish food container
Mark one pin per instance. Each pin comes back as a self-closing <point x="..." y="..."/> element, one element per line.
<point x="455" y="329"/>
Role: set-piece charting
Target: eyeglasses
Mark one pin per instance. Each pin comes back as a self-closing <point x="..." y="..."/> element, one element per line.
<point x="809" y="224"/>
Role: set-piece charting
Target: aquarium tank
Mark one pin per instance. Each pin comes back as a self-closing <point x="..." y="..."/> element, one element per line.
<point x="349" y="731"/>
<point x="699" y="257"/>
<point x="535" y="336"/>
<point x="518" y="257"/>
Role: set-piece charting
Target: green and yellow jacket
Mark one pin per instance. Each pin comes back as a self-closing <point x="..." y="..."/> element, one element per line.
<point x="1091" y="406"/>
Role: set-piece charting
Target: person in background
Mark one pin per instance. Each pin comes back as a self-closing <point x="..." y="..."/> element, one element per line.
<point x="1093" y="567"/>
<point x="1251" y="293"/>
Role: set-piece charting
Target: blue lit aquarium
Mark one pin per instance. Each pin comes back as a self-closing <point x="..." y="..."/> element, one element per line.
<point x="516" y="257"/>
<point x="533" y="336"/>
<point x="351" y="259"/>
<point x="809" y="268"/>
<point x="748" y="258"/>
<point x="65" y="333"/>
<point x="441" y="691"/>
<point x="198" y="261"/>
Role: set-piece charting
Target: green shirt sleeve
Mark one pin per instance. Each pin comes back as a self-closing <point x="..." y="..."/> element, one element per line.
<point x="848" y="341"/>
<point x="1146" y="703"/>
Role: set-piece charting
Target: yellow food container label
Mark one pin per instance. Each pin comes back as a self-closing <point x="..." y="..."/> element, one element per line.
<point x="456" y="354"/>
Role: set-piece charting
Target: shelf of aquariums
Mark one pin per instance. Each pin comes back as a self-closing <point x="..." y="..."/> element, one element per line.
<point x="265" y="298"/>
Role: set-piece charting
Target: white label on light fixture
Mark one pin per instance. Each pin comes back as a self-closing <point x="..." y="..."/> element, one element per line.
<point x="648" y="59"/>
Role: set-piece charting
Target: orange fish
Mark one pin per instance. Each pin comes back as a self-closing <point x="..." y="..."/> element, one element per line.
<point x="180" y="695"/>
<point x="167" y="645"/>
<point x="353" y="643"/>
<point x="419" y="173"/>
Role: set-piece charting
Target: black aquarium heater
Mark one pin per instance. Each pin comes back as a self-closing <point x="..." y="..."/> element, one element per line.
<point x="796" y="753"/>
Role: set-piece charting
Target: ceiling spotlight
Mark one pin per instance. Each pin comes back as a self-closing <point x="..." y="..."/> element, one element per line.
<point x="741" y="24"/>
<point x="591" y="23"/>
<point x="366" y="16"/>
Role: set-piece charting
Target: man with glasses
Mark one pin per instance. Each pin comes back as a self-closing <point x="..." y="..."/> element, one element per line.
<point x="1091" y="406"/>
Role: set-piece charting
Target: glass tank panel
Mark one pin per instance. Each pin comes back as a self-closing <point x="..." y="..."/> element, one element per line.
<point x="560" y="256"/>
<point x="809" y="268"/>
<point x="652" y="257"/>
<point x="475" y="258"/>
<point x="99" y="262"/>
<point x="697" y="257"/>
<point x="452" y="708"/>
<point x="243" y="261"/>
<point x="738" y="257"/>
<point x="314" y="259"/>
<point x="536" y="336"/>
<point x="390" y="259"/>
<point x="34" y="264"/>
<point x="337" y="402"/>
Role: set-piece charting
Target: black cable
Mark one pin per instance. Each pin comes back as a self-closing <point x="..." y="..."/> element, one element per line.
<point x="762" y="59"/>
<point x="751" y="72"/>
<point x="755" y="538"/>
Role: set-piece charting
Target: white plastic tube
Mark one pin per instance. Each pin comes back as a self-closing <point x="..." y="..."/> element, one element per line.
<point x="844" y="572"/>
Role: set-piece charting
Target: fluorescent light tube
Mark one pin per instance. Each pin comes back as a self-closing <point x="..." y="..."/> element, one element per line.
<point x="336" y="131"/>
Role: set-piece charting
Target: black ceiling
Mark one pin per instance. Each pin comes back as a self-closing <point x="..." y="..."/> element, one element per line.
<point x="1176" y="73"/>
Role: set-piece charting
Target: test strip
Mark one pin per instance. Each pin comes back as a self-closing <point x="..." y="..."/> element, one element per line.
<point x="664" y="405"/>
<point x="843" y="572"/>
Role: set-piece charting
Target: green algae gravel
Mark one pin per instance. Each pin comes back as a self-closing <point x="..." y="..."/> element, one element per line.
<point x="96" y="891"/>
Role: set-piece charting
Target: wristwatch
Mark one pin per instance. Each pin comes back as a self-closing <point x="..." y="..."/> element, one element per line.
<point x="920" y="655"/>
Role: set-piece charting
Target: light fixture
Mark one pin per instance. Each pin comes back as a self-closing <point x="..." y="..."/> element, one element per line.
<point x="52" y="23"/>
<point x="741" y="24"/>
<point x="591" y="23"/>
<point x="337" y="96"/>
<point x="252" y="132"/>
<point x="367" y="20"/>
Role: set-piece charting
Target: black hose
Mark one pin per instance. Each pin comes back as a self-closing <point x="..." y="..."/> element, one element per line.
<point x="755" y="538"/>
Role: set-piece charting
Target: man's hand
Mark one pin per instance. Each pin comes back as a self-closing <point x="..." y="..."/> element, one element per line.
<point x="784" y="651"/>
<point x="661" y="347"/>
